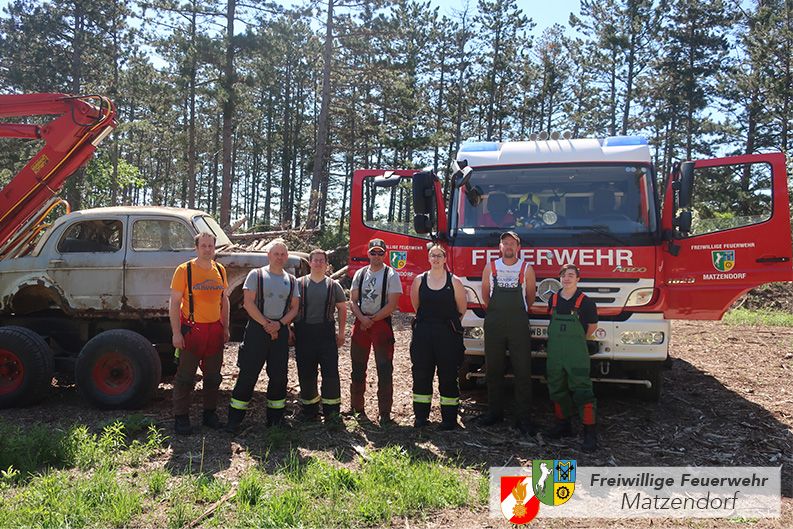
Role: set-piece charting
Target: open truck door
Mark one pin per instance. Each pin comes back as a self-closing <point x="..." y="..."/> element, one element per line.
<point x="727" y="225"/>
<point x="405" y="209"/>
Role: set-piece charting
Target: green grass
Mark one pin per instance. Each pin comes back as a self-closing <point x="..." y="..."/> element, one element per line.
<point x="389" y="483"/>
<point x="37" y="448"/>
<point x="73" y="477"/>
<point x="771" y="318"/>
<point x="60" y="499"/>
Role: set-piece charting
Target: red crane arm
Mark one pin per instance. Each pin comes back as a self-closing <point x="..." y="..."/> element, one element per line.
<point x="69" y="141"/>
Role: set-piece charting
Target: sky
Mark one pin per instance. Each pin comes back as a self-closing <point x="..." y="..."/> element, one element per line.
<point x="545" y="13"/>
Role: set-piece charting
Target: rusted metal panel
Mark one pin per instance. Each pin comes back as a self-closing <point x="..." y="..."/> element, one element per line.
<point x="131" y="282"/>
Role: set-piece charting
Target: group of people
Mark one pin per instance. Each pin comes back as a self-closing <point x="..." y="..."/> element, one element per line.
<point x="311" y="311"/>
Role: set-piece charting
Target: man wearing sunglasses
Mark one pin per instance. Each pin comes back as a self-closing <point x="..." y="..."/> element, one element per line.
<point x="374" y="296"/>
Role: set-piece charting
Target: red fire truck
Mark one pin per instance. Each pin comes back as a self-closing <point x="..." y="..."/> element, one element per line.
<point x="649" y="251"/>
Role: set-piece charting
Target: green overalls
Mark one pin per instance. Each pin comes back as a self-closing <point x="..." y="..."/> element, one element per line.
<point x="507" y="328"/>
<point x="567" y="368"/>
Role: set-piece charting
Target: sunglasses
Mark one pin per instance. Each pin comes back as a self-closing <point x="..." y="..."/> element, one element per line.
<point x="376" y="252"/>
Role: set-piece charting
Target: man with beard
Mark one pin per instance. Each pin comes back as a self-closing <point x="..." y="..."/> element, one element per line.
<point x="508" y="289"/>
<point x="374" y="296"/>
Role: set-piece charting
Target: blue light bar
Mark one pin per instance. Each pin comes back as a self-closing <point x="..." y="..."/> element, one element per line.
<point x="624" y="141"/>
<point x="479" y="146"/>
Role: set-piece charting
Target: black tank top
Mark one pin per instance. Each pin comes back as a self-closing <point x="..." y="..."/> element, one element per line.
<point x="436" y="306"/>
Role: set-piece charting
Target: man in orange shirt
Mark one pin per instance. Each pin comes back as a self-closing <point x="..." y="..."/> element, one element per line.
<point x="199" y="313"/>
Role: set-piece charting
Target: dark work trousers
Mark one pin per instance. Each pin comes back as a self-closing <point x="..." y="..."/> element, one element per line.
<point x="257" y="349"/>
<point x="184" y="381"/>
<point x="379" y="336"/>
<point x="436" y="346"/>
<point x="507" y="329"/>
<point x="315" y="347"/>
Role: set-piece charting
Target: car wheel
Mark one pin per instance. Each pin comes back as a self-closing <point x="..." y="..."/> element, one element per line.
<point x="25" y="367"/>
<point x="118" y="369"/>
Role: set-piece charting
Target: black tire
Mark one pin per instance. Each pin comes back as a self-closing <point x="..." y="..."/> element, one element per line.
<point x="656" y="377"/>
<point x="25" y="367"/>
<point x="118" y="369"/>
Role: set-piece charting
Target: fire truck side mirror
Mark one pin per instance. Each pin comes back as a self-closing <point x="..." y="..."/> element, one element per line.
<point x="686" y="185"/>
<point x="423" y="201"/>
<point x="683" y="222"/>
<point x="422" y="224"/>
<point x="424" y="193"/>
<point x="388" y="179"/>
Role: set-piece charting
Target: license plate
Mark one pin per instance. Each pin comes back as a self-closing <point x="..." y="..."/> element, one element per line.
<point x="539" y="332"/>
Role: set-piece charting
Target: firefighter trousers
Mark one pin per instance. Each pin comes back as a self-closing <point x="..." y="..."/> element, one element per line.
<point x="436" y="346"/>
<point x="507" y="329"/>
<point x="380" y="337"/>
<point x="184" y="381"/>
<point x="567" y="369"/>
<point x="258" y="349"/>
<point x="315" y="348"/>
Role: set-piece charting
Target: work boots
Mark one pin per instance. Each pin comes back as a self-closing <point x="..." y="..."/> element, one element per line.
<point x="332" y="413"/>
<point x="448" y="417"/>
<point x="490" y="418"/>
<point x="309" y="413"/>
<point x="235" y="420"/>
<point x="421" y="412"/>
<point x="210" y="420"/>
<point x="562" y="428"/>
<point x="275" y="417"/>
<point x="526" y="427"/>
<point x="329" y="411"/>
<point x="590" y="443"/>
<point x="181" y="425"/>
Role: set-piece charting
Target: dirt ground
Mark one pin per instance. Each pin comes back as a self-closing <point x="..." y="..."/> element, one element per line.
<point x="727" y="400"/>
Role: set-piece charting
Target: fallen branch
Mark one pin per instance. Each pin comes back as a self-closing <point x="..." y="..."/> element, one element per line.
<point x="209" y="512"/>
<point x="242" y="237"/>
<point x="237" y="224"/>
<point x="338" y="273"/>
<point x="333" y="252"/>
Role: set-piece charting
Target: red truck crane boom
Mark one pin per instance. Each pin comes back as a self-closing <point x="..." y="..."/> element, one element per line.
<point x="70" y="140"/>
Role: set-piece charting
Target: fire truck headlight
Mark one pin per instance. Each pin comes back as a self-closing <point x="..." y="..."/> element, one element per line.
<point x="642" y="337"/>
<point x="476" y="333"/>
<point x="639" y="297"/>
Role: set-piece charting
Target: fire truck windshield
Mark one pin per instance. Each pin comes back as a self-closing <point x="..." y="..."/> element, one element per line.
<point x="605" y="203"/>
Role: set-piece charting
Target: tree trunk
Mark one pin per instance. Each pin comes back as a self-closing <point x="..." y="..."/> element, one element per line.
<point x="191" y="132"/>
<point x="626" y="113"/>
<point x="268" y="172"/>
<point x="74" y="191"/>
<point x="319" y="174"/>
<point x="228" y="117"/>
<point x="439" y="110"/>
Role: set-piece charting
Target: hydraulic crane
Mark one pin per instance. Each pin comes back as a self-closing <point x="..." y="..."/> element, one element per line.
<point x="70" y="140"/>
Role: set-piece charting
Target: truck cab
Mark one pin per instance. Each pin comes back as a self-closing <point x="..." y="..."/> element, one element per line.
<point x="648" y="250"/>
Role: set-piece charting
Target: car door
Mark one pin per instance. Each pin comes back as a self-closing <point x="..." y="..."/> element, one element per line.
<point x="88" y="262"/>
<point x="739" y="239"/>
<point x="382" y="207"/>
<point x="156" y="245"/>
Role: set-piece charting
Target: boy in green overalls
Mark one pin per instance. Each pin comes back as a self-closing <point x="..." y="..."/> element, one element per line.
<point x="573" y="318"/>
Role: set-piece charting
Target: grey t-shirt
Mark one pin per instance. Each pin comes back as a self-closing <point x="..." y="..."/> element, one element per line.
<point x="276" y="290"/>
<point x="373" y="288"/>
<point x="316" y="299"/>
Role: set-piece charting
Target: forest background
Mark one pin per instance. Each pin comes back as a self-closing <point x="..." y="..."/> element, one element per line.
<point x="250" y="108"/>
